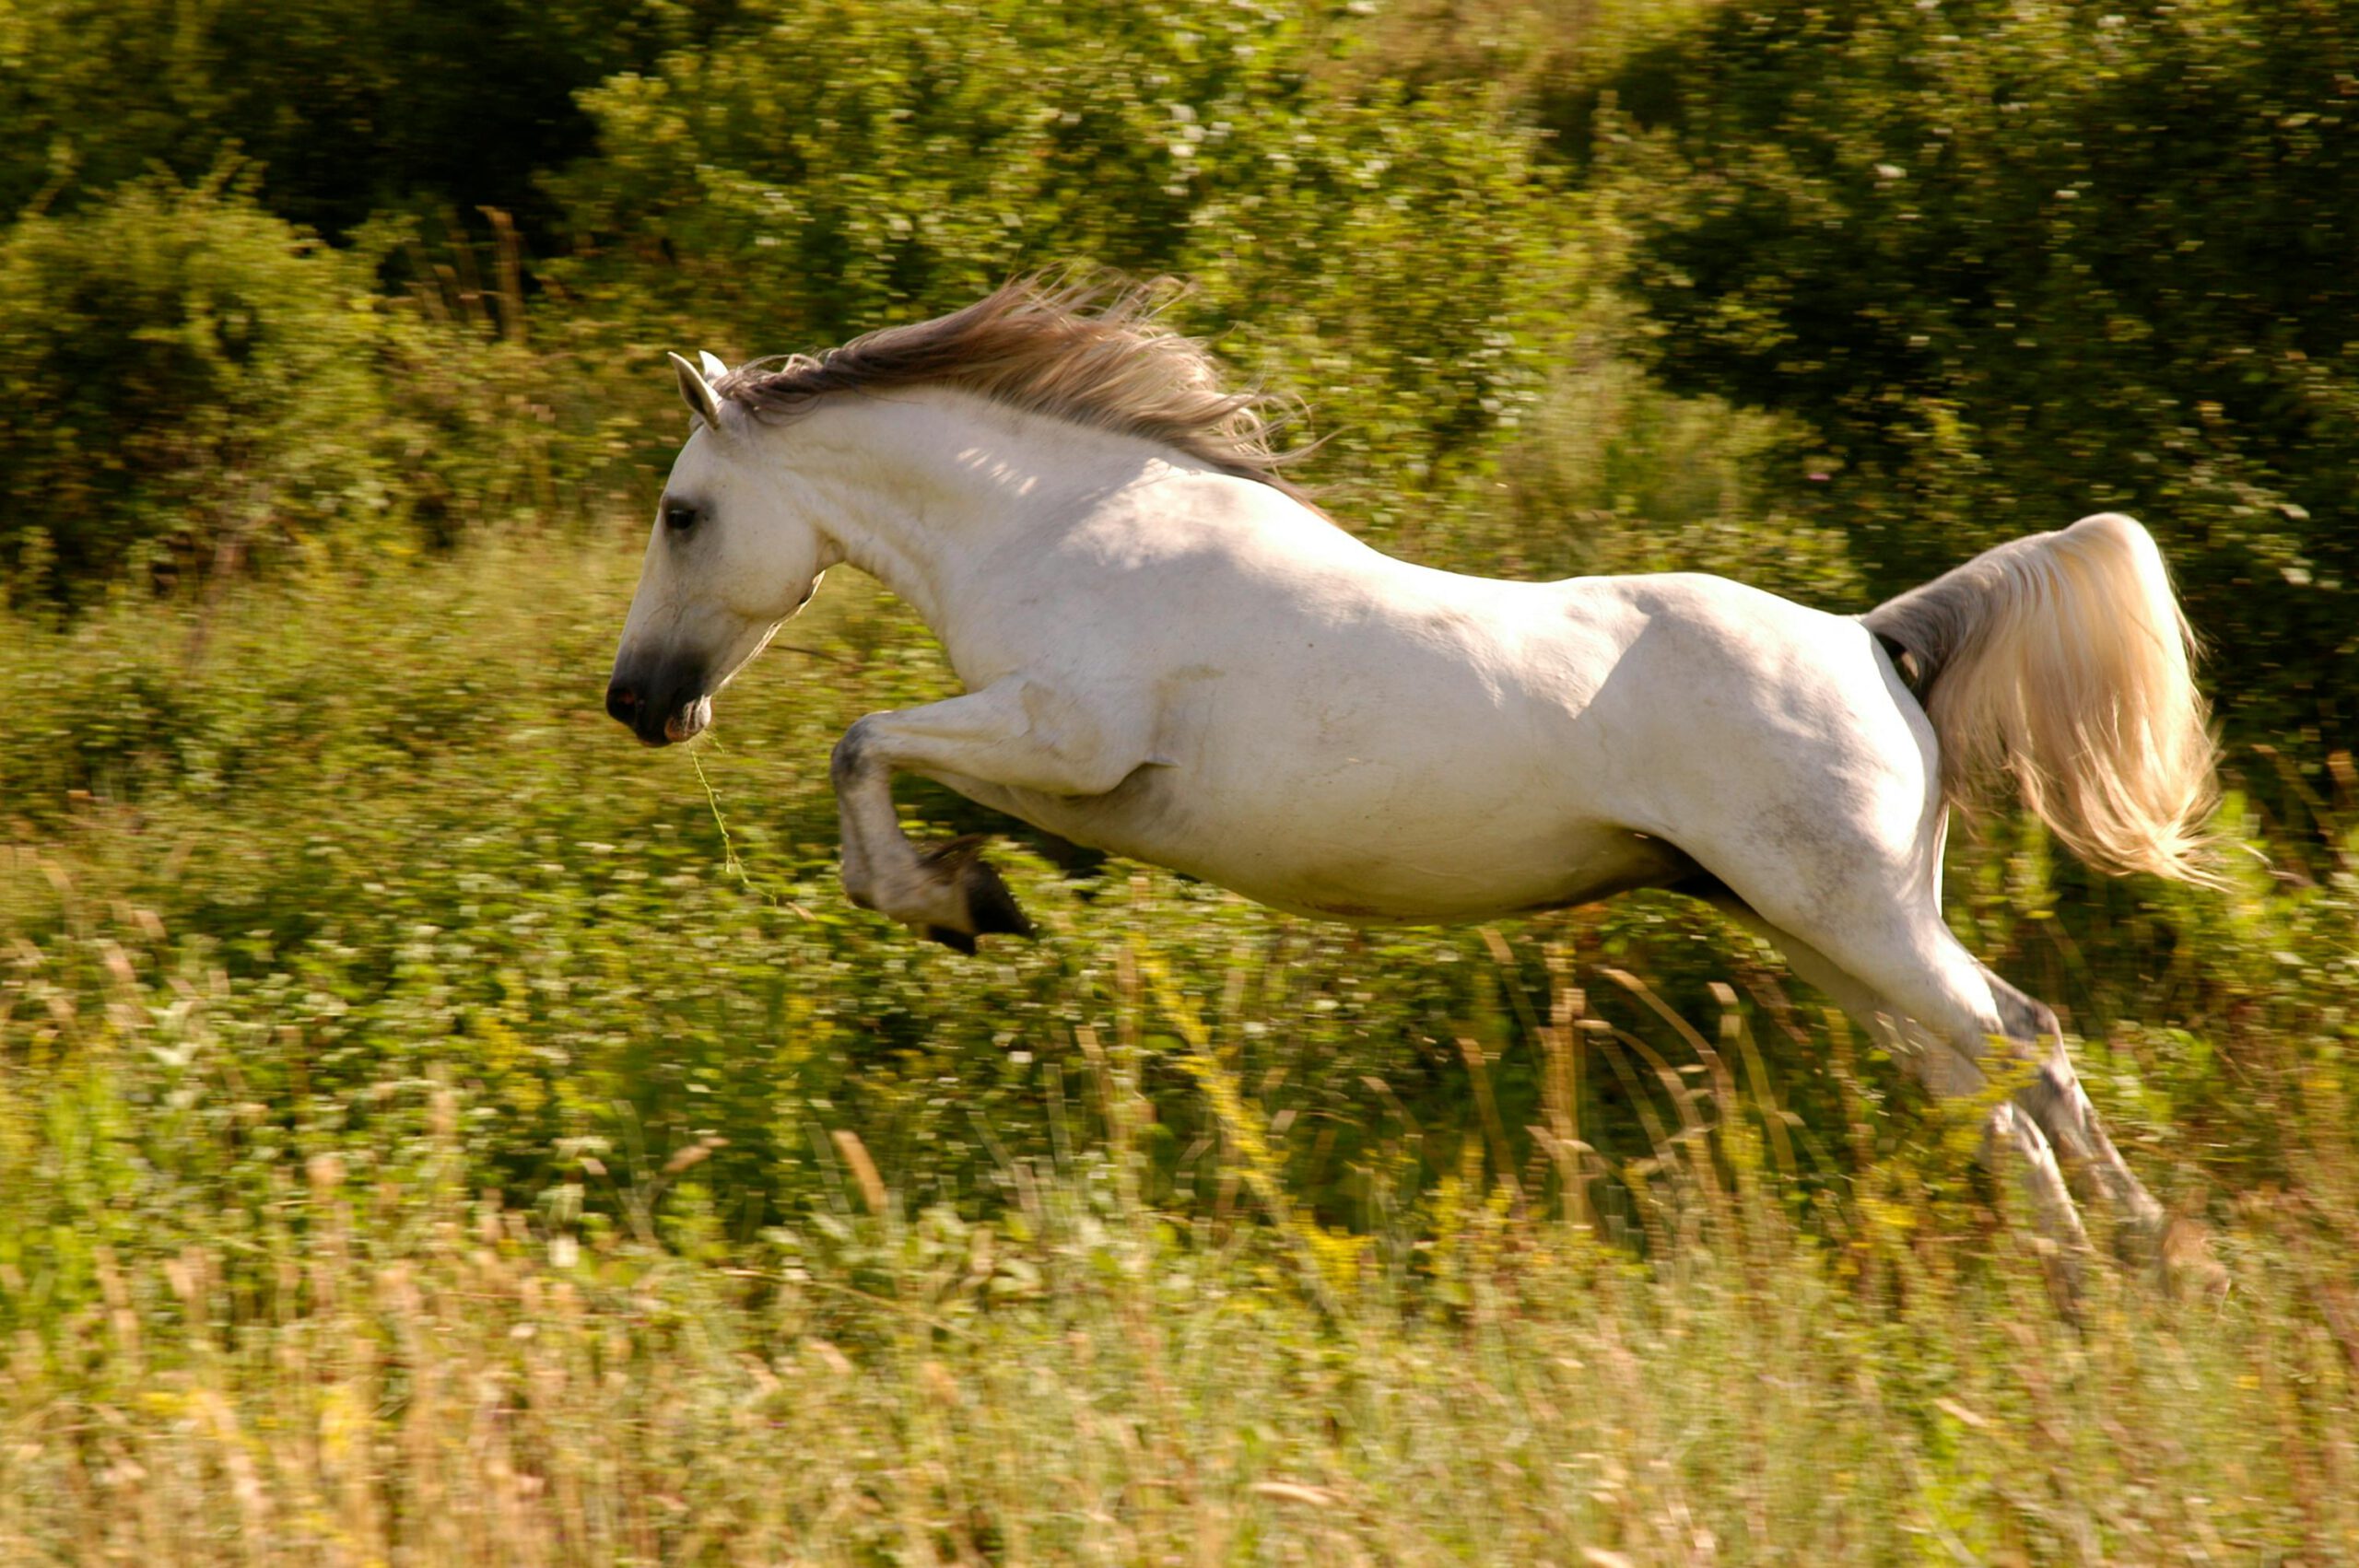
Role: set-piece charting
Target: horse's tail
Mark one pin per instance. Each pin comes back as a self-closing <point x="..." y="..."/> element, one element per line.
<point x="2062" y="659"/>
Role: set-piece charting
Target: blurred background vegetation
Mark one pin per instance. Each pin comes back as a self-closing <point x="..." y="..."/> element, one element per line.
<point x="425" y="1134"/>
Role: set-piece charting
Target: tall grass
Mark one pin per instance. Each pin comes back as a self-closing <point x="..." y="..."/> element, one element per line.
<point x="420" y="1147"/>
<point x="406" y="1371"/>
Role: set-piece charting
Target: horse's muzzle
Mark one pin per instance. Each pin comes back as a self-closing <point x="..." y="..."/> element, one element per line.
<point x="660" y="710"/>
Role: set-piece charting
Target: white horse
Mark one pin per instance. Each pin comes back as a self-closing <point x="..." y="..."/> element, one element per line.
<point x="1169" y="655"/>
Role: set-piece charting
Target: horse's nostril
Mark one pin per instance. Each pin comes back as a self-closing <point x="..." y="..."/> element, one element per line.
<point x="622" y="702"/>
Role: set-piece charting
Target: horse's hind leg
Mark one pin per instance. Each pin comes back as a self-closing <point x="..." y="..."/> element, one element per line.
<point x="2055" y="1101"/>
<point x="2010" y="1130"/>
<point x="2054" y="1110"/>
<point x="1948" y="1062"/>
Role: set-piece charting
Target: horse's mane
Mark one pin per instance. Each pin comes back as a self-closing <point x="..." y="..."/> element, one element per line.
<point x="1092" y="352"/>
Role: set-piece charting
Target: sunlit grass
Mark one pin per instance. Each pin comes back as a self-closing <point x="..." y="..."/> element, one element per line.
<point x="420" y="1147"/>
<point x="405" y="1371"/>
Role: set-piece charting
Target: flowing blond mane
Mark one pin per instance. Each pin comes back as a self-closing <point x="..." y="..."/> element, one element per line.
<point x="1090" y="353"/>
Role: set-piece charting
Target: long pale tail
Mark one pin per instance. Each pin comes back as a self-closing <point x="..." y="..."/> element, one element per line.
<point x="2062" y="660"/>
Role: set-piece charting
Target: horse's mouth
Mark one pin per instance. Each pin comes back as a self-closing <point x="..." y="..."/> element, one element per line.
<point x="684" y="722"/>
<point x="687" y="722"/>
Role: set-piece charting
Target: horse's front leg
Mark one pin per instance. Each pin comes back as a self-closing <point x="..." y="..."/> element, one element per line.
<point x="1019" y="734"/>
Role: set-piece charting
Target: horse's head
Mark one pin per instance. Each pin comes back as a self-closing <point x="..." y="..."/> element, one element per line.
<point x="734" y="552"/>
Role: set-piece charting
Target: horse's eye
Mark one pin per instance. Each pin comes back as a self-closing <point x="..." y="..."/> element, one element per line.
<point x="679" y="520"/>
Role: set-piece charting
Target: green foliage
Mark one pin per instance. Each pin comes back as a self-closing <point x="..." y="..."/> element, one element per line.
<point x="836" y="166"/>
<point x="384" y="1363"/>
<point x="351" y="106"/>
<point x="415" y="1129"/>
<point x="427" y="1133"/>
<point x="839" y="167"/>
<point x="2013" y="263"/>
<point x="179" y="373"/>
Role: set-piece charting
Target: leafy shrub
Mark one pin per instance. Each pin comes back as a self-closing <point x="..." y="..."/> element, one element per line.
<point x="180" y="373"/>
<point x="349" y="106"/>
<point x="1393" y="256"/>
<point x="841" y="165"/>
<point x="2018" y="263"/>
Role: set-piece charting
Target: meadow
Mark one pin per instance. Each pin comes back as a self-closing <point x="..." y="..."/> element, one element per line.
<point x="436" y="1129"/>
<point x="429" y="1138"/>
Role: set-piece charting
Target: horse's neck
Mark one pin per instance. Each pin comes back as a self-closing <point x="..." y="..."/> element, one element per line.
<point x="923" y="488"/>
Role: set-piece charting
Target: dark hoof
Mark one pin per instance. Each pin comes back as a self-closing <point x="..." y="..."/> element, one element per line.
<point x="991" y="908"/>
<point x="957" y="942"/>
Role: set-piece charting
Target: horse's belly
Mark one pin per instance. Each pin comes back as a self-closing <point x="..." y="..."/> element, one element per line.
<point x="1417" y="766"/>
<point x="1344" y="856"/>
<point x="1542" y="870"/>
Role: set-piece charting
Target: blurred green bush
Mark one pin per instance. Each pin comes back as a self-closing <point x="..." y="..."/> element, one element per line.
<point x="183" y="376"/>
<point x="1397" y="259"/>
<point x="351" y="107"/>
<point x="2016" y="263"/>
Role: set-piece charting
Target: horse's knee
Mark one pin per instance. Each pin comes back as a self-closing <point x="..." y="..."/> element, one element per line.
<point x="859" y="882"/>
<point x="2055" y="1104"/>
<point x="850" y="759"/>
<point x="2053" y="1098"/>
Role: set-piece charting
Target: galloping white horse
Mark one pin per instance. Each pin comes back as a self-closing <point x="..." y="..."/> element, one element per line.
<point x="1169" y="655"/>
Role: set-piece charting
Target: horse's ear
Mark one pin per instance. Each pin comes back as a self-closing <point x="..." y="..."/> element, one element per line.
<point x="702" y="401"/>
<point x="714" y="367"/>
